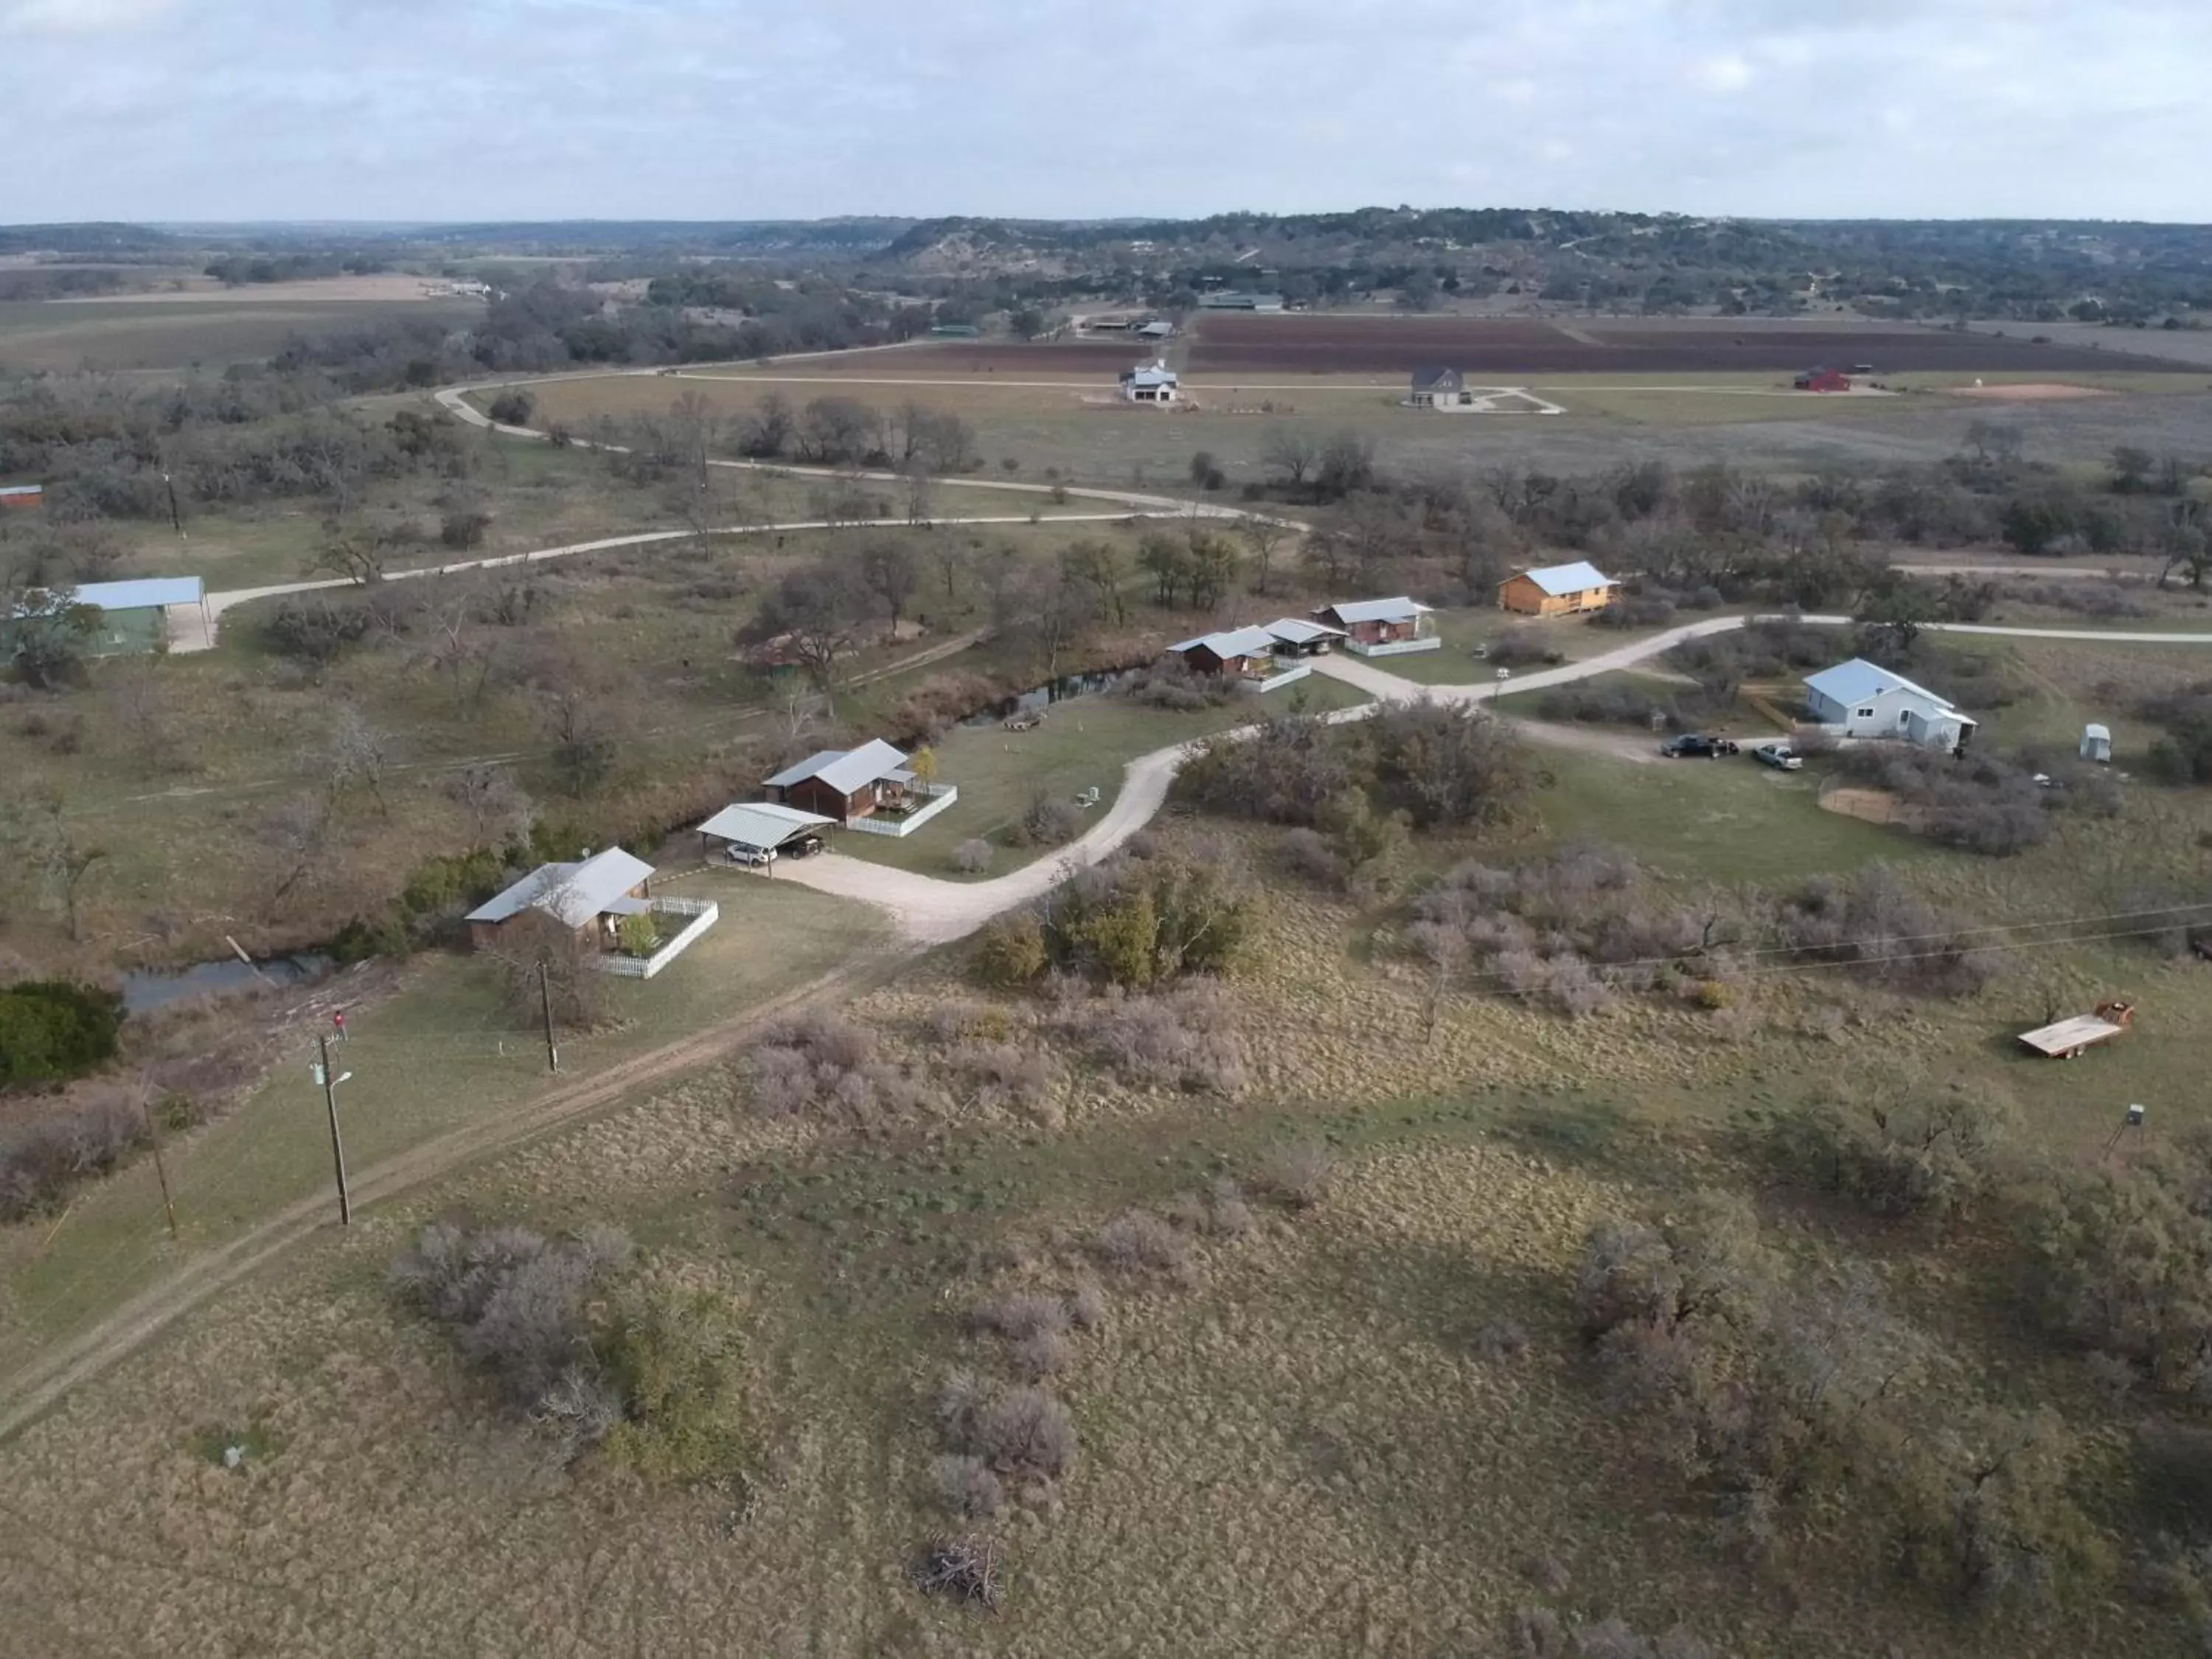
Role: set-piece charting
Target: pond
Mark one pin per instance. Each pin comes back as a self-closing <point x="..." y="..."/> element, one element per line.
<point x="147" y="988"/>
<point x="1039" y="698"/>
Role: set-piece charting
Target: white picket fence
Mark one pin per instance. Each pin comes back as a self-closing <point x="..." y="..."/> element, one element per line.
<point x="1393" y="647"/>
<point x="942" y="796"/>
<point x="703" y="914"/>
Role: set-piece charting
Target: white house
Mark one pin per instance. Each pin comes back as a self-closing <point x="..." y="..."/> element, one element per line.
<point x="1860" y="699"/>
<point x="1150" y="383"/>
<point x="1436" y="386"/>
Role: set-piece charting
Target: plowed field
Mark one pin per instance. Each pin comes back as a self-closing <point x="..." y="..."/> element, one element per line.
<point x="1485" y="349"/>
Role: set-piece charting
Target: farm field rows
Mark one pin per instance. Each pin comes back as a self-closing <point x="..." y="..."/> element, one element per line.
<point x="212" y="332"/>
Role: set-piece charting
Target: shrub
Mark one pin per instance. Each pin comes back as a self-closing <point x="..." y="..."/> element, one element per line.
<point x="1023" y="1432"/>
<point x="1010" y="952"/>
<point x="1308" y="854"/>
<point x="640" y="935"/>
<point x="43" y="1162"/>
<point x="1933" y="1157"/>
<point x="1086" y="1307"/>
<point x="1869" y="922"/>
<point x="314" y="628"/>
<point x="1523" y="645"/>
<point x="966" y="1486"/>
<point x="1023" y="1313"/>
<point x="1501" y="1338"/>
<point x="1041" y="1354"/>
<point x="1298" y="1175"/>
<point x="1171" y="686"/>
<point x="513" y="407"/>
<point x="1050" y="821"/>
<point x="972" y="857"/>
<point x="1180" y="1039"/>
<point x="1139" y="921"/>
<point x="1005" y="1074"/>
<point x="821" y="1062"/>
<point x="1137" y="1241"/>
<point x="1281" y="773"/>
<point x="54" y="1028"/>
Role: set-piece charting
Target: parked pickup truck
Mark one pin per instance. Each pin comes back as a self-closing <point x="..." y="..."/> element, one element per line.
<point x="1779" y="755"/>
<point x="1691" y="746"/>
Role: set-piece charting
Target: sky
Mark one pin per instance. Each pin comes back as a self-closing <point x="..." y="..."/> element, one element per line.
<point x="231" y="110"/>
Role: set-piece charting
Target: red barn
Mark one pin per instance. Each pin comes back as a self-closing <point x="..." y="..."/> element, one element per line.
<point x="1824" y="379"/>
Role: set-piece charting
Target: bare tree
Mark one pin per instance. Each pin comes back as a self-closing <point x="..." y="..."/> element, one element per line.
<point x="358" y="551"/>
<point x="817" y="609"/>
<point x="1097" y="565"/>
<point x="1263" y="535"/>
<point x="359" y="752"/>
<point x="1292" y="453"/>
<point x="892" y="573"/>
<point x="297" y="833"/>
<point x="949" y="554"/>
<point x="918" y="490"/>
<point x="36" y="838"/>
<point x="695" y="427"/>
<point x="494" y="802"/>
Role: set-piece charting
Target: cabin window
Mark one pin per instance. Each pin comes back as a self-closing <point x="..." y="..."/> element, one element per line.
<point x="1905" y="717"/>
<point x="1865" y="714"/>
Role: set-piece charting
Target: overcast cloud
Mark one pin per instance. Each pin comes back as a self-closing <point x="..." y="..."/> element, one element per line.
<point x="727" y="109"/>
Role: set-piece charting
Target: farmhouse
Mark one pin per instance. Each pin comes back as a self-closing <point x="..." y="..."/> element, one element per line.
<point x="871" y="788"/>
<point x="1860" y="699"/>
<point x="1438" y="387"/>
<point x="21" y="497"/>
<point x="590" y="897"/>
<point x="1823" y="380"/>
<point x="759" y="831"/>
<point x="1148" y="383"/>
<point x="1382" y="627"/>
<point x="1558" y="590"/>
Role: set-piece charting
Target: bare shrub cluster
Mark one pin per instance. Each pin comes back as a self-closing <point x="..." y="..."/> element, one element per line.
<point x="1184" y="1037"/>
<point x="1297" y="1174"/>
<point x="1567" y="931"/>
<point x="1977" y="803"/>
<point x="1784" y="1390"/>
<point x="821" y="1063"/>
<point x="1870" y="923"/>
<point x="1170" y="686"/>
<point x="1022" y="1433"/>
<point x="42" y="1162"/>
<point x="1932" y="1156"/>
<point x="999" y="1075"/>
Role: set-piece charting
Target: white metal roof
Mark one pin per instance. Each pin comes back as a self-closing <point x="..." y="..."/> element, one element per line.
<point x="760" y="823"/>
<point x="1296" y="630"/>
<point x="572" y="894"/>
<point x="1858" y="679"/>
<point x="1231" y="642"/>
<point x="22" y="489"/>
<point x="1401" y="609"/>
<point x="844" y="770"/>
<point x="141" y="593"/>
<point x="2093" y="730"/>
<point x="1579" y="577"/>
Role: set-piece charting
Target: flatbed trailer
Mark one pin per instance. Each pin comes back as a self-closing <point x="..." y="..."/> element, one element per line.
<point x="2069" y="1037"/>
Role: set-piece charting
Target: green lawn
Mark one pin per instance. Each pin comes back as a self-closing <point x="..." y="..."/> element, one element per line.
<point x="443" y="1054"/>
<point x="1574" y="638"/>
<point x="1084" y="743"/>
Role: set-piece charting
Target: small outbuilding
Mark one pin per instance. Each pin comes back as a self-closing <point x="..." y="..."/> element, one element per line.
<point x="1558" y="590"/>
<point x="1382" y="627"/>
<point x="22" y="498"/>
<point x="2097" y="742"/>
<point x="132" y="615"/>
<point x="1860" y="699"/>
<point x="589" y="896"/>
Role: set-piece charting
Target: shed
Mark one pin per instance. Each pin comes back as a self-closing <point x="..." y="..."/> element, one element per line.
<point x="1823" y="380"/>
<point x="21" y="497"/>
<point x="2096" y="742"/>
<point x="1558" y="590"/>
<point x="134" y="614"/>
<point x="591" y="895"/>
<point x="761" y="826"/>
<point x="1238" y="650"/>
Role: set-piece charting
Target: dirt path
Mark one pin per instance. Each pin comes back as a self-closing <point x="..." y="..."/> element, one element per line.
<point x="37" y="1387"/>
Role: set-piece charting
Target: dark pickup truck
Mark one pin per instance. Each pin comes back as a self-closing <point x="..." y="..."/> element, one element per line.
<point x="1692" y="746"/>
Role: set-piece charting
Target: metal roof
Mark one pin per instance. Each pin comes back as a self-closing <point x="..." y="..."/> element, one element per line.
<point x="1295" y="630"/>
<point x="141" y="594"/>
<point x="1401" y="609"/>
<point x="760" y="823"/>
<point x="1858" y="679"/>
<point x="1436" y="377"/>
<point x="572" y="894"/>
<point x="1231" y="642"/>
<point x="2093" y="730"/>
<point x="22" y="489"/>
<point x="1576" y="578"/>
<point x="844" y="770"/>
<point x="1149" y="374"/>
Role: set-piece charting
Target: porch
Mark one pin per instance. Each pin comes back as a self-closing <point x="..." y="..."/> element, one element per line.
<point x="903" y="813"/>
<point x="690" y="917"/>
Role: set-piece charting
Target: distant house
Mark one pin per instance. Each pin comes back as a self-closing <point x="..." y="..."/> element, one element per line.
<point x="1239" y="300"/>
<point x="1860" y="699"/>
<point x="134" y="615"/>
<point x="1823" y="380"/>
<point x="1294" y="636"/>
<point x="1382" y="627"/>
<point x="1439" y="387"/>
<point x="1150" y="383"/>
<point x="1558" y="590"/>
<point x="1159" y="328"/>
<point x="21" y="497"/>
<point x="955" y="332"/>
<point x="871" y="788"/>
<point x="762" y="828"/>
<point x="590" y="897"/>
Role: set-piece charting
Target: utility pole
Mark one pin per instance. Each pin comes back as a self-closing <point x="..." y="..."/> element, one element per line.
<point x="176" y="519"/>
<point x="545" y="1004"/>
<point x="330" y="1083"/>
<point x="160" y="1169"/>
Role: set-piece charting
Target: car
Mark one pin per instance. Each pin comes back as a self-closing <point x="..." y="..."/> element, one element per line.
<point x="750" y="858"/>
<point x="1779" y="755"/>
<point x="805" y="848"/>
<point x="1693" y="745"/>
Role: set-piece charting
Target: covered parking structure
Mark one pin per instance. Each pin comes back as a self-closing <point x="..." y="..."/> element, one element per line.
<point x="752" y="830"/>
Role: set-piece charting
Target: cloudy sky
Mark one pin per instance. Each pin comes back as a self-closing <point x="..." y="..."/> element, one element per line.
<point x="724" y="109"/>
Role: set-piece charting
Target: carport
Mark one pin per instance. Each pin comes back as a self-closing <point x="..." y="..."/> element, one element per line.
<point x="760" y="827"/>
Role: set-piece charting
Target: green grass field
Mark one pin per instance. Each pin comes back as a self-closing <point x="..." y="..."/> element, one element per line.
<point x="442" y="1054"/>
<point x="157" y="335"/>
<point x="1084" y="743"/>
